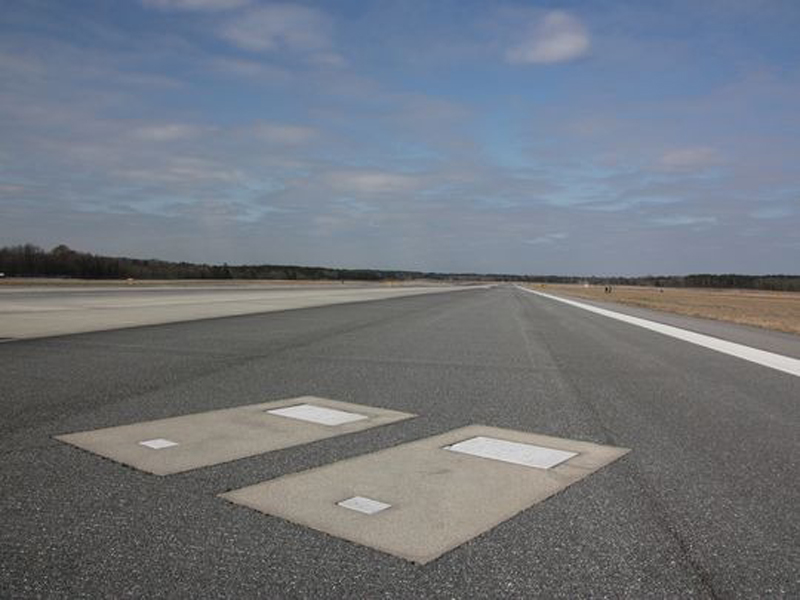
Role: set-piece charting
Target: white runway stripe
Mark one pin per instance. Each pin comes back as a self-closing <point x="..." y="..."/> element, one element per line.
<point x="778" y="362"/>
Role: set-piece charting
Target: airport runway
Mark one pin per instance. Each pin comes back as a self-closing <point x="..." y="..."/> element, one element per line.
<point x="706" y="503"/>
<point x="30" y="311"/>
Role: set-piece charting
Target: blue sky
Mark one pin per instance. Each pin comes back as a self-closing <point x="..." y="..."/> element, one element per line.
<point x="526" y="137"/>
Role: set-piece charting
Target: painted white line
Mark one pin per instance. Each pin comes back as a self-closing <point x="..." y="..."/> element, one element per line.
<point x="317" y="414"/>
<point x="517" y="453"/>
<point x="779" y="362"/>
<point x="368" y="506"/>
<point x="158" y="443"/>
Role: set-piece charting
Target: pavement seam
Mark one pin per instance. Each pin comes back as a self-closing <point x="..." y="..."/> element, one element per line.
<point x="609" y="436"/>
<point x="412" y="363"/>
<point x="663" y="521"/>
<point x="658" y="508"/>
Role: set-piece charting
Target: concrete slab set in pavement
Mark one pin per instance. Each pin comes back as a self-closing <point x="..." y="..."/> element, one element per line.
<point x="220" y="436"/>
<point x="499" y="467"/>
<point x="432" y="498"/>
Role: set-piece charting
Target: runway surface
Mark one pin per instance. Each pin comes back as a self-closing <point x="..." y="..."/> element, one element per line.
<point x="705" y="504"/>
<point x="30" y="312"/>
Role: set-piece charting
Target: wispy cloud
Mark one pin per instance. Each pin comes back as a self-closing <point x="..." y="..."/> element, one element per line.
<point x="251" y="70"/>
<point x="557" y="37"/>
<point x="185" y="171"/>
<point x="201" y="5"/>
<point x="370" y="182"/>
<point x="280" y="133"/>
<point x="167" y="132"/>
<point x="774" y="212"/>
<point x="690" y="159"/>
<point x="274" y="27"/>
<point x="547" y="238"/>
<point x="682" y="220"/>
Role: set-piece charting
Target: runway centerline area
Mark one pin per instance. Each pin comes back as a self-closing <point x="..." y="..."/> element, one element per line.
<point x="482" y="442"/>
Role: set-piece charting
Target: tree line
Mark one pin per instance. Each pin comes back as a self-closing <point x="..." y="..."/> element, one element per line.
<point x="28" y="260"/>
<point x="777" y="283"/>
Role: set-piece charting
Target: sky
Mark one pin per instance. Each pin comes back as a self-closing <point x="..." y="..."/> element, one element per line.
<point x="579" y="138"/>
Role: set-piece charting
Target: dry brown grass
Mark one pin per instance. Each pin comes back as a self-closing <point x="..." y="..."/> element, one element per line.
<point x="770" y="310"/>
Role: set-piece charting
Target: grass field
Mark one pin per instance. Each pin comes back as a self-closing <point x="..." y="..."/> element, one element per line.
<point x="770" y="310"/>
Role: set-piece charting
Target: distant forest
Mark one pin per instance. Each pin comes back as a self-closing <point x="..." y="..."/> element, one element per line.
<point x="31" y="261"/>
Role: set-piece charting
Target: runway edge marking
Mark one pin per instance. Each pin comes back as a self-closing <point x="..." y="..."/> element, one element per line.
<point x="779" y="362"/>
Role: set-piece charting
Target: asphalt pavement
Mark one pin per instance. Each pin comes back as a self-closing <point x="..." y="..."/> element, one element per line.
<point x="42" y="311"/>
<point x="706" y="503"/>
